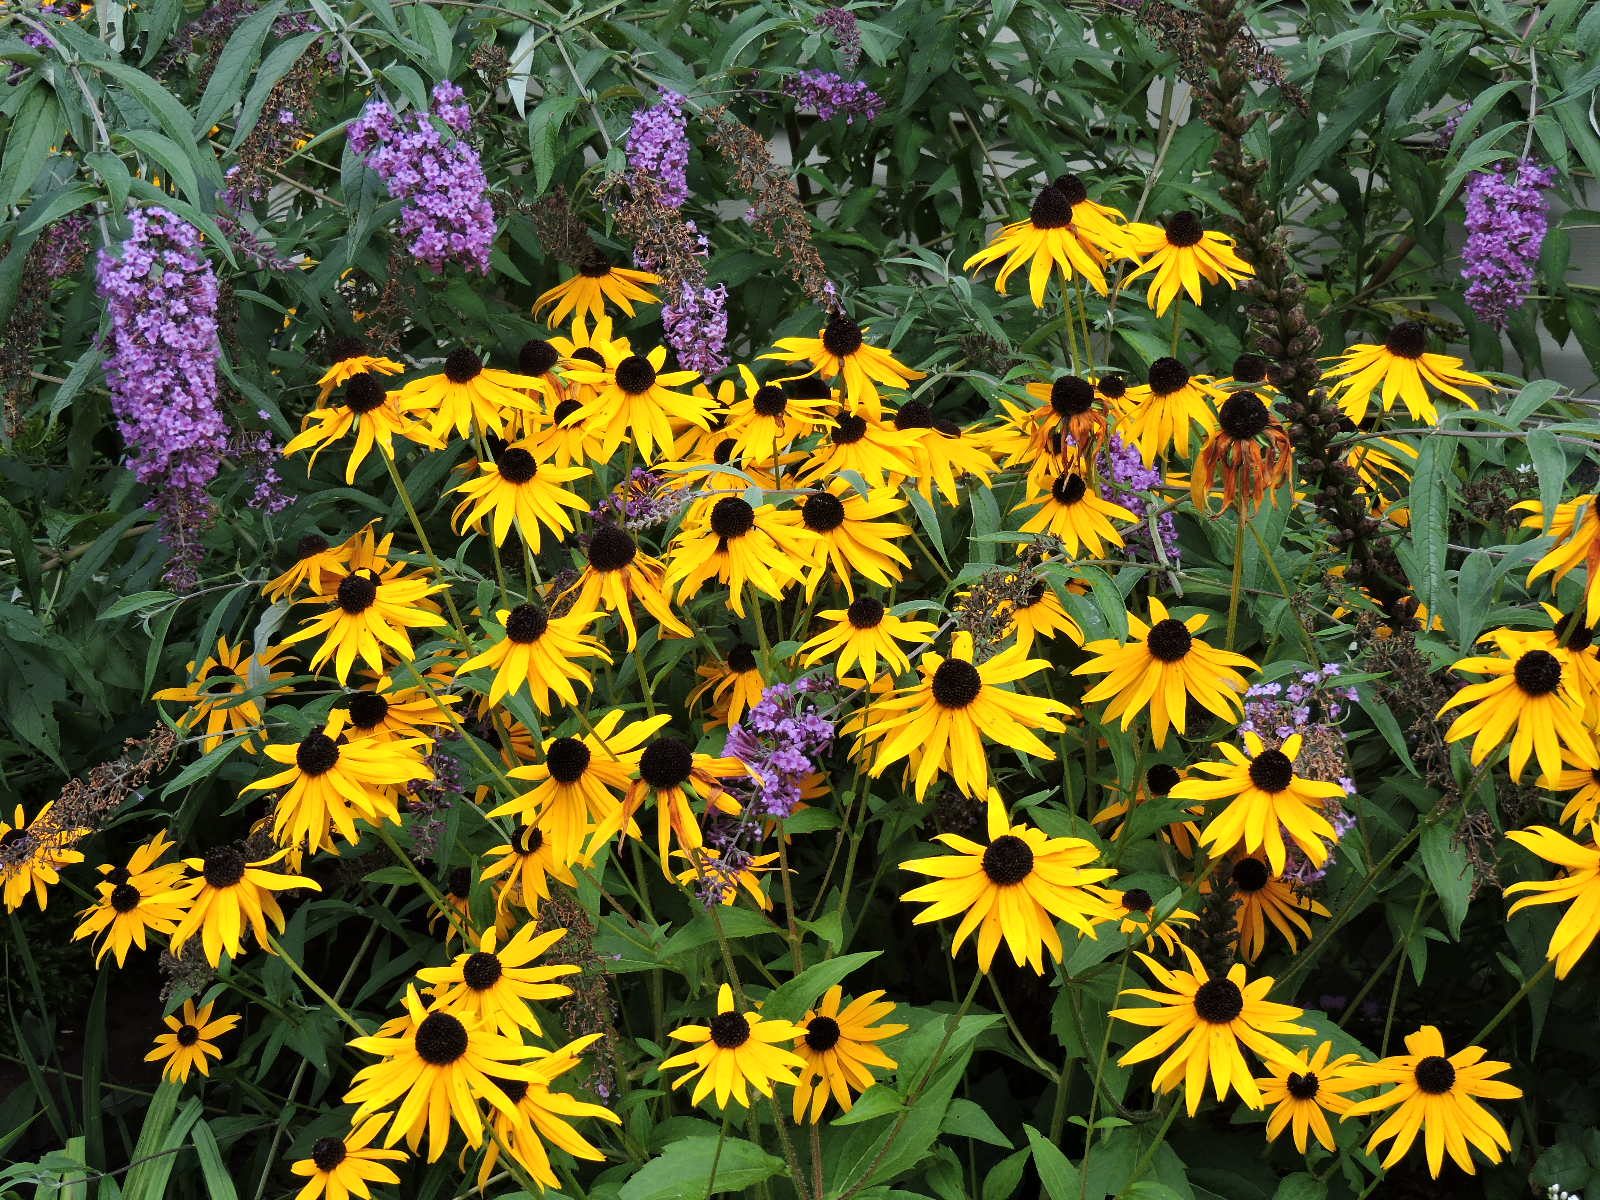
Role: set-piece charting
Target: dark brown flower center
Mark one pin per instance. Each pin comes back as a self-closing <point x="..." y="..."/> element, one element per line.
<point x="729" y="1030"/>
<point x="458" y="883"/>
<point x="1301" y="1087"/>
<point x="956" y="683"/>
<point x="1538" y="673"/>
<point x="363" y="393"/>
<point x="223" y="867"/>
<point x="635" y="375"/>
<point x="1249" y="875"/>
<point x="316" y="754"/>
<point x="1169" y="640"/>
<point x="666" y="763"/>
<point x="865" y="612"/>
<point x="1184" y="229"/>
<point x="1167" y="375"/>
<point x="358" y="591"/>
<point x="312" y="543"/>
<point x="462" y="365"/>
<point x="537" y="356"/>
<point x="1070" y="187"/>
<point x="849" y="429"/>
<point x="732" y="517"/>
<point x="517" y="465"/>
<point x="1069" y="489"/>
<point x="567" y="759"/>
<point x="188" y="1035"/>
<point x="526" y="623"/>
<point x="125" y="897"/>
<point x="1407" y="340"/>
<point x="1137" y="900"/>
<point x="1113" y="387"/>
<point x="841" y="337"/>
<point x="1071" y="396"/>
<point x="1161" y="778"/>
<point x="769" y="400"/>
<point x="327" y="1153"/>
<point x="1008" y="860"/>
<point x="441" y="1039"/>
<point x="822" y="1033"/>
<point x="1572" y="633"/>
<point x="611" y="548"/>
<point x="1243" y="416"/>
<point x="741" y="659"/>
<point x="529" y="839"/>
<point x="1435" y="1075"/>
<point x="564" y="410"/>
<point x="808" y="387"/>
<point x="1271" y="771"/>
<point x="367" y="709"/>
<point x="481" y="971"/>
<point x="913" y="414"/>
<point x="595" y="265"/>
<point x="1051" y="209"/>
<point x="1250" y="368"/>
<point x="1218" y="1001"/>
<point x="823" y="512"/>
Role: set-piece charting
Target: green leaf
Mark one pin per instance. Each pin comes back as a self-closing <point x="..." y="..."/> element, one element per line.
<point x="232" y="65"/>
<point x="1000" y="1183"/>
<point x="431" y="31"/>
<point x="695" y="1167"/>
<point x="1449" y="872"/>
<point x="1430" y="517"/>
<point x="36" y="127"/>
<point x="789" y="1002"/>
<point x="219" y="1185"/>
<point x="1056" y="1173"/>
<point x="1301" y="1186"/>
<point x="174" y="160"/>
<point x="966" y="1119"/>
<point x="544" y="135"/>
<point x="161" y="104"/>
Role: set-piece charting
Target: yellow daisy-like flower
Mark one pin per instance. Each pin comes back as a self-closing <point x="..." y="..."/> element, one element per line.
<point x="840" y="1048"/>
<point x="1161" y="415"/>
<point x="1134" y="912"/>
<point x="233" y="893"/>
<point x="1266" y="799"/>
<point x="634" y="399"/>
<point x="1262" y="898"/>
<point x="863" y="634"/>
<point x="1040" y="616"/>
<point x="495" y="986"/>
<point x="1527" y="696"/>
<point x="940" y="722"/>
<point x="1076" y="515"/>
<point x="1159" y="780"/>
<point x="539" y="652"/>
<point x="377" y="416"/>
<point x="1014" y="889"/>
<point x="542" y="1115"/>
<point x="350" y="361"/>
<point x="514" y="488"/>
<point x="436" y="1068"/>
<point x="1159" y="667"/>
<point x="368" y="612"/>
<point x="1069" y="426"/>
<point x="31" y="854"/>
<point x="332" y="781"/>
<point x="191" y="1044"/>
<point x="1181" y="251"/>
<point x="734" y="1050"/>
<point x="853" y="537"/>
<point x="739" y="545"/>
<point x="467" y="395"/>
<point x="1575" y="644"/>
<point x="139" y="899"/>
<point x="1578" y="885"/>
<point x="1200" y="1024"/>
<point x="875" y="450"/>
<point x="942" y="454"/>
<point x="674" y="776"/>
<point x="1583" y="782"/>
<point x="1065" y="231"/>
<point x="1250" y="453"/>
<point x="733" y="682"/>
<point x="528" y="862"/>
<point x="616" y="575"/>
<point x="770" y="417"/>
<point x="597" y="281"/>
<point x="1402" y="366"/>
<point x="1303" y="1089"/>
<point x="228" y="672"/>
<point x="386" y="713"/>
<point x="709" y="875"/>
<point x="840" y="351"/>
<point x="1436" y="1096"/>
<point x="1575" y="528"/>
<point x="339" y="1168"/>
<point x="321" y="567"/>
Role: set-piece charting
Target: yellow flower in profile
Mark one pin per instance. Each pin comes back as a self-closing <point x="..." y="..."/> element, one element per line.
<point x="635" y="400"/>
<point x="1065" y="231"/>
<point x="1583" y="782"/>
<point x="616" y="575"/>
<point x="322" y="567"/>
<point x="1080" y="517"/>
<point x="864" y="633"/>
<point x="514" y="488"/>
<point x="1575" y="528"/>
<point x="734" y="683"/>
<point x="597" y="281"/>
<point x="528" y="862"/>
<point x="674" y="776"/>
<point x="377" y="416"/>
<point x="191" y="1043"/>
<point x="942" y="454"/>
<point x="840" y="351"/>
<point x="1266" y="800"/>
<point x="1403" y="368"/>
<point x="339" y="1168"/>
<point x="769" y="417"/>
<point x="1159" y="780"/>
<point x="1181" y="251"/>
<point x="1014" y="889"/>
<point x="367" y="612"/>
<point x="350" y="360"/>
<point x="388" y="713"/>
<point x="840" y="1048"/>
<point x="467" y="395"/>
<point x="940" y="722"/>
<point x="1160" y="415"/>
<point x="733" y="1050"/>
<point x="212" y="693"/>
<point x="1200" y="1024"/>
<point x="31" y="854"/>
<point x="853" y="537"/>
<point x="740" y="545"/>
<point x="1038" y="615"/>
<point x="1578" y="886"/>
<point x="541" y="1115"/>
<point x="233" y="894"/>
<point x="1261" y="899"/>
<point x="136" y="900"/>
<point x="1160" y="667"/>
<point x="495" y="986"/>
<point x="435" y="1069"/>
<point x="1134" y="913"/>
<point x="1437" y="1097"/>
<point x="540" y="653"/>
<point x="861" y="442"/>
<point x="1303" y="1089"/>
<point x="1527" y="696"/>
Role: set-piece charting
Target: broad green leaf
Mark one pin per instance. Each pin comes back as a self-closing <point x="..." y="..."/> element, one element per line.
<point x="232" y="66"/>
<point x="696" y="1167"/>
<point x="36" y="127"/>
<point x="789" y="1002"/>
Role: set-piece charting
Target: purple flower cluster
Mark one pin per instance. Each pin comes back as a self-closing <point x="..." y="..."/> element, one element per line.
<point x="781" y="739"/>
<point x="63" y="248"/>
<point x="833" y="95"/>
<point x="259" y="454"/>
<point x="658" y="146"/>
<point x="840" y="26"/>
<point x="1125" y="480"/>
<point x="1298" y="871"/>
<point x="161" y="368"/>
<point x="696" y="327"/>
<point x="724" y="857"/>
<point x="440" y="180"/>
<point x="1314" y="698"/>
<point x="1506" y="223"/>
<point x="640" y="503"/>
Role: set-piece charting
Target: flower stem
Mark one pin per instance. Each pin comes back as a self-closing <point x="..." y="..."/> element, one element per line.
<point x="300" y="973"/>
<point x="1528" y="985"/>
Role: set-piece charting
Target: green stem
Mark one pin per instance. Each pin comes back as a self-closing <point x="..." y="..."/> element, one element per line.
<point x="427" y="548"/>
<point x="1238" y="579"/>
<point x="300" y="973"/>
<point x="1149" y="1155"/>
<point x="1528" y="985"/>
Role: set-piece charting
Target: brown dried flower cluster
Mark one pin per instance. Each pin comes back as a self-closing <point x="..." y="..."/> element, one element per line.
<point x="664" y="241"/>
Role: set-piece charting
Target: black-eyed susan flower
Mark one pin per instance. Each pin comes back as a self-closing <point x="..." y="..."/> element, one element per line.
<point x="1402" y="366"/>
<point x="635" y="400"/>
<point x="1262" y="898"/>
<point x="733" y="682"/>
<point x="191" y="1043"/>
<point x="840" y="1049"/>
<point x="538" y="358"/>
<point x="1200" y="1024"/>
<point x="350" y="359"/>
<point x="436" y="1068"/>
<point x="861" y="442"/>
<point x="1583" y="805"/>
<point x="585" y="295"/>
<point x="467" y="395"/>
<point x="1181" y="252"/>
<point x="375" y="414"/>
<point x="321" y="567"/>
<point x="224" y="696"/>
<point x="1303" y="1089"/>
<point x="1578" y="886"/>
<point x="1249" y="452"/>
<point x="233" y="894"/>
<point x="1436" y="1096"/>
<point x="1160" y="667"/>
<point x="617" y="575"/>
<point x="1575" y="529"/>
<point x="727" y="877"/>
<point x="1266" y="800"/>
<point x="1572" y="641"/>
<point x="1070" y="422"/>
<point x="940" y="722"/>
<point x="1065" y="231"/>
<point x="366" y="613"/>
<point x="864" y="633"/>
<point x="943" y="455"/>
<point x="524" y="866"/>
<point x="769" y="418"/>
<point x="340" y="1167"/>
<point x="1134" y="912"/>
<point x="145" y="897"/>
<point x="1157" y="784"/>
<point x="515" y="488"/>
<point x="540" y="653"/>
<point x="1527" y="697"/>
<point x="496" y="985"/>
<point x="1076" y="514"/>
<point x="1038" y="616"/>
<point x="674" y="777"/>
<point x="331" y="781"/>
<point x="1014" y="889"/>
<point x="854" y="537"/>
<point x="740" y="545"/>
<point x="31" y="855"/>
<point x="388" y="713"/>
<point x="1161" y="414"/>
<point x="734" y="1052"/>
<point x="543" y="1115"/>
<point x="840" y="353"/>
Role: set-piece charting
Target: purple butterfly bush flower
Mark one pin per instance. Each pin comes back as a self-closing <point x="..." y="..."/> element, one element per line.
<point x="658" y="146"/>
<point x="696" y="327"/>
<point x="840" y="26"/>
<point x="1125" y="480"/>
<point x="833" y="95"/>
<point x="1507" y="218"/>
<point x="438" y="178"/>
<point x="782" y="740"/>
<point x="160" y="294"/>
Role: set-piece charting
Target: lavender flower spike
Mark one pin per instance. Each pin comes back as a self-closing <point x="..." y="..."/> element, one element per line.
<point x="1506" y="224"/>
